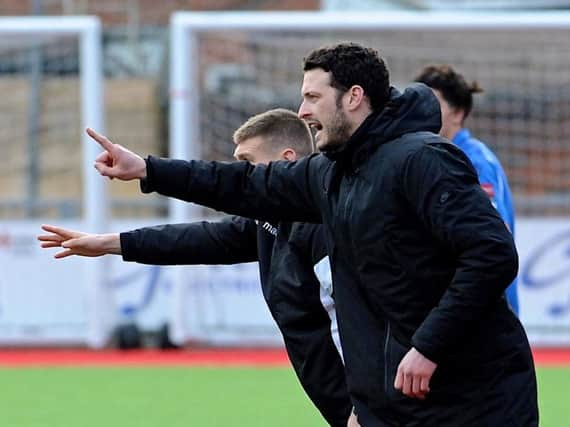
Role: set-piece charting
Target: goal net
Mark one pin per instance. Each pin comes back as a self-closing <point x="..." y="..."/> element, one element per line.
<point x="51" y="89"/>
<point x="227" y="67"/>
<point x="237" y="66"/>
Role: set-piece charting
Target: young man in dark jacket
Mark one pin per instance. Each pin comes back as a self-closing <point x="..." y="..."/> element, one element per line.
<point x="287" y="254"/>
<point x="420" y="258"/>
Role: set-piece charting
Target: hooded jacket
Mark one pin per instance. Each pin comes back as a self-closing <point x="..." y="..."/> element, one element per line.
<point x="419" y="258"/>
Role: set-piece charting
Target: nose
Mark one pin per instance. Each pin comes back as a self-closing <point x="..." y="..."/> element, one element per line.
<point x="303" y="112"/>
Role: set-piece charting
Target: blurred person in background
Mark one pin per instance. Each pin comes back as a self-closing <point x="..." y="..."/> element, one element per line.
<point x="420" y="259"/>
<point x="455" y="97"/>
<point x="291" y="256"/>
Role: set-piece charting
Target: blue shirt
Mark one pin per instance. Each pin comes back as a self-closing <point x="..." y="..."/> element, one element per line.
<point x="494" y="181"/>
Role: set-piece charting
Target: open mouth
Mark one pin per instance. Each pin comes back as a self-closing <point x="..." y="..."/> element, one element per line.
<point x="316" y="128"/>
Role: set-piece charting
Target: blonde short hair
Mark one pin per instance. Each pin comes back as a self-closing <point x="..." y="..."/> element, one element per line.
<point x="280" y="128"/>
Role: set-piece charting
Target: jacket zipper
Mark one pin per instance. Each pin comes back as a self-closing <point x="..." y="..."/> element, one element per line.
<point x="386" y="357"/>
<point x="350" y="184"/>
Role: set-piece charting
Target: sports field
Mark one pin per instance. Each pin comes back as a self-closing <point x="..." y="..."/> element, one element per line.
<point x="66" y="389"/>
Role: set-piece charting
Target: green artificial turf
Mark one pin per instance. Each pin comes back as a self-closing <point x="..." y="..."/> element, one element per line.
<point x="145" y="397"/>
<point x="183" y="397"/>
<point x="554" y="396"/>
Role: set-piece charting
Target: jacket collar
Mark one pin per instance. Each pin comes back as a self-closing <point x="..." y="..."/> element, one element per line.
<point x="416" y="109"/>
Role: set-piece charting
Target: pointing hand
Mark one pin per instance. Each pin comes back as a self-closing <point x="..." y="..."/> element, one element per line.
<point x="116" y="161"/>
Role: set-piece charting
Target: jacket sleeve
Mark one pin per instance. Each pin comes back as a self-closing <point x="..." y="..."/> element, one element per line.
<point x="303" y="317"/>
<point x="442" y="186"/>
<point x="230" y="241"/>
<point x="280" y="191"/>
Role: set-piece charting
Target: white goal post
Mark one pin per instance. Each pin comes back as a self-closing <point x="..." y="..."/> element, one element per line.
<point x="227" y="66"/>
<point x="24" y="33"/>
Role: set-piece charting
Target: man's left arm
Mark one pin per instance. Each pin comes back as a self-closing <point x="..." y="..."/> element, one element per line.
<point x="458" y="213"/>
<point x="495" y="185"/>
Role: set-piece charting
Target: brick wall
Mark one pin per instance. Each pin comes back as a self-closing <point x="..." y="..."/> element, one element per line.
<point x="148" y="12"/>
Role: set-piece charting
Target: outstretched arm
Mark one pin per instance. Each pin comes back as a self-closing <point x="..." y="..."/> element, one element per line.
<point x="280" y="191"/>
<point x="229" y="241"/>
<point x="79" y="243"/>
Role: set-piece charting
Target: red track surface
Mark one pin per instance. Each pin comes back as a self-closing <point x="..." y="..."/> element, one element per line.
<point x="34" y="357"/>
<point x="552" y="357"/>
<point x="250" y="357"/>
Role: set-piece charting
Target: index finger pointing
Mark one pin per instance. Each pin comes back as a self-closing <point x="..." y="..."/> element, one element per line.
<point x="101" y="139"/>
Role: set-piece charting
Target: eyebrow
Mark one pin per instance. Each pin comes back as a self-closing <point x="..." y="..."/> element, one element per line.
<point x="244" y="156"/>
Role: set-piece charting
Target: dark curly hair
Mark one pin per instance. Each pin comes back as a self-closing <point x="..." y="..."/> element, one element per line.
<point x="452" y="86"/>
<point x="352" y="64"/>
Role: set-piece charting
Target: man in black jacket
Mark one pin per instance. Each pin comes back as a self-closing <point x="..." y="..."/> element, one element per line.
<point x="287" y="255"/>
<point x="420" y="258"/>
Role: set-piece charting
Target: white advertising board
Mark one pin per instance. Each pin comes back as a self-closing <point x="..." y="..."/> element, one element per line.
<point x="226" y="302"/>
<point x="43" y="301"/>
<point x="544" y="279"/>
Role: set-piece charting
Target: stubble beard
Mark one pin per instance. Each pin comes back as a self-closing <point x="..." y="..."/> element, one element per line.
<point x="338" y="131"/>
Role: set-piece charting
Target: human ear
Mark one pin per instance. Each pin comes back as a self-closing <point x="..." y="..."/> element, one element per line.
<point x="355" y="98"/>
<point x="289" y="154"/>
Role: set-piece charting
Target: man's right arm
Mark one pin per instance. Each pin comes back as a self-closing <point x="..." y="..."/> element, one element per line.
<point x="230" y="241"/>
<point x="279" y="191"/>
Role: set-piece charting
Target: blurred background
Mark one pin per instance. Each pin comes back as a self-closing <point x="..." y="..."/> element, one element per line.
<point x="229" y="75"/>
<point x="159" y="79"/>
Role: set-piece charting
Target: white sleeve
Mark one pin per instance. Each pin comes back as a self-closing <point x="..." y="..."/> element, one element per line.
<point x="323" y="272"/>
